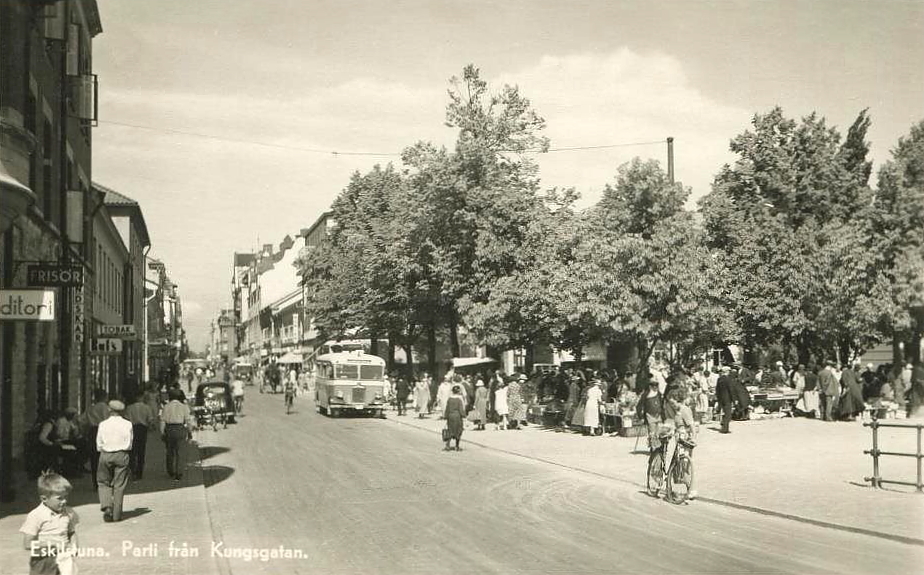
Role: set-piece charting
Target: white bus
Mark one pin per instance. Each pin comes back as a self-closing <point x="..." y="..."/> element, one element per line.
<point x="350" y="382"/>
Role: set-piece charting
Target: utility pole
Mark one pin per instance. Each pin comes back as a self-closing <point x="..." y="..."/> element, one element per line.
<point x="670" y="159"/>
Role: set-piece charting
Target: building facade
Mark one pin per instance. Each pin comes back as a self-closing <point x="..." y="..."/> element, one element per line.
<point x="47" y="110"/>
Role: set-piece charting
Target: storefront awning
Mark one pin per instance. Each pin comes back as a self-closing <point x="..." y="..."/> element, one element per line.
<point x="290" y="357"/>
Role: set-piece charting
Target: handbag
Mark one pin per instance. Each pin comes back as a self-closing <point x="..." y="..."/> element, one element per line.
<point x="446" y="434"/>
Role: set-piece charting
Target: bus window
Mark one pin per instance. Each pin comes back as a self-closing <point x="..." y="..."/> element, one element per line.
<point x="347" y="371"/>
<point x="371" y="372"/>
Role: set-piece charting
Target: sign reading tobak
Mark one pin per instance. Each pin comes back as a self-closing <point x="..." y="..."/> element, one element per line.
<point x="54" y="275"/>
<point x="34" y="304"/>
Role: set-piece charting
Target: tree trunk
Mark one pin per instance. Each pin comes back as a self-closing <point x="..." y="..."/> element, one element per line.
<point x="898" y="358"/>
<point x="373" y="343"/>
<point x="530" y="359"/>
<point x="409" y="351"/>
<point x="913" y="351"/>
<point x="390" y="360"/>
<point x="431" y="350"/>
<point x="843" y="349"/>
<point x="454" y="332"/>
<point x="803" y="350"/>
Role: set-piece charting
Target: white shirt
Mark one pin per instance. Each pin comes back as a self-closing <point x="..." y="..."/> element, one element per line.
<point x="115" y="434"/>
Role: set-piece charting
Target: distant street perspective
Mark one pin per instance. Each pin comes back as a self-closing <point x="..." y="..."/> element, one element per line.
<point x="519" y="286"/>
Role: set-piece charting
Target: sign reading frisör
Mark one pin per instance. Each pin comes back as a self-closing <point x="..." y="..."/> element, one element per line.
<point x="54" y="275"/>
<point x="125" y="331"/>
<point x="30" y="304"/>
<point x="106" y="346"/>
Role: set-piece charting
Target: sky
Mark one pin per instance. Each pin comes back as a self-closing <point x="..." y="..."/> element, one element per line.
<point x="222" y="117"/>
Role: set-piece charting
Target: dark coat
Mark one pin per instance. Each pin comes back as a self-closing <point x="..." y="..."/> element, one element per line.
<point x="402" y="389"/>
<point x="724" y="390"/>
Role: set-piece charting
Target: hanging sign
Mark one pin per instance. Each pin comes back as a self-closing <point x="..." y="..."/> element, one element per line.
<point x="106" y="346"/>
<point x="79" y="323"/>
<point x="54" y="275"/>
<point x="126" y="331"/>
<point x="29" y="304"/>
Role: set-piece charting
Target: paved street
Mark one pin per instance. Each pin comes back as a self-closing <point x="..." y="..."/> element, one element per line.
<point x="375" y="496"/>
<point x="369" y="496"/>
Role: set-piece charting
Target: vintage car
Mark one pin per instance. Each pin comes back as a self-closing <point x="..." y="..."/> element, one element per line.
<point x="214" y="398"/>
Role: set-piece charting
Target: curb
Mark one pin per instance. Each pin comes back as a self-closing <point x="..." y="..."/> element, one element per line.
<point x="222" y="566"/>
<point x="753" y="509"/>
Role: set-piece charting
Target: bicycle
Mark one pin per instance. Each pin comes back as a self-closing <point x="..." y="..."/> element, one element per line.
<point x="679" y="474"/>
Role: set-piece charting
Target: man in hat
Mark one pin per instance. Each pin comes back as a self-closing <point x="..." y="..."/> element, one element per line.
<point x="175" y="427"/>
<point x="142" y="418"/>
<point x="830" y="389"/>
<point x="725" y="396"/>
<point x="114" y="443"/>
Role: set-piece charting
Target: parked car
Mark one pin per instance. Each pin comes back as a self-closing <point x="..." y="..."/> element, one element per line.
<point x="214" y="397"/>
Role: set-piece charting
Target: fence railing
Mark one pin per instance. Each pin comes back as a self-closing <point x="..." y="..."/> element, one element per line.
<point x="876" y="480"/>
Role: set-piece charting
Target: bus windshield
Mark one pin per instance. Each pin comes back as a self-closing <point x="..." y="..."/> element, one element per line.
<point x="364" y="372"/>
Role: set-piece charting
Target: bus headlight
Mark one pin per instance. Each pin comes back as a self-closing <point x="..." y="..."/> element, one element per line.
<point x="338" y="394"/>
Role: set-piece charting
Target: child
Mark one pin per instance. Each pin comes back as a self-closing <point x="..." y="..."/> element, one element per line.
<point x="49" y="532"/>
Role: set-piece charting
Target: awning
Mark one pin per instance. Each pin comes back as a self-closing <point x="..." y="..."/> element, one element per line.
<point x="466" y="361"/>
<point x="290" y="358"/>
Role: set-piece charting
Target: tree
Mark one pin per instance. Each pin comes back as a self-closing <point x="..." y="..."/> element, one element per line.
<point x="793" y="190"/>
<point x="474" y="204"/>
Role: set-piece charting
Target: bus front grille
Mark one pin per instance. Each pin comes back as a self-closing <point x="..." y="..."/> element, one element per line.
<point x="359" y="395"/>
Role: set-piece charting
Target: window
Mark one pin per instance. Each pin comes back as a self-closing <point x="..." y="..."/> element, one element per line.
<point x="347" y="372"/>
<point x="371" y="372"/>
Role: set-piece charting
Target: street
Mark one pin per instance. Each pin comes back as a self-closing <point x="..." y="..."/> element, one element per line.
<point x="369" y="496"/>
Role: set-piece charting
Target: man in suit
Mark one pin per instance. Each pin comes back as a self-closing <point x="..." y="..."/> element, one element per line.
<point x="402" y="390"/>
<point x="830" y="389"/>
<point x="725" y="397"/>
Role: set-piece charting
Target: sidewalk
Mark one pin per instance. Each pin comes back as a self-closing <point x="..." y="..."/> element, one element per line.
<point x="157" y="511"/>
<point x="794" y="467"/>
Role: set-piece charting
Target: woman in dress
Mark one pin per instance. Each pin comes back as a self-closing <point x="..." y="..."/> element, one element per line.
<point x="592" y="406"/>
<point x="442" y="395"/>
<point x="479" y="413"/>
<point x="515" y="402"/>
<point x="574" y="396"/>
<point x="500" y="404"/>
<point x="421" y="397"/>
<point x="454" y="413"/>
<point x="577" y="419"/>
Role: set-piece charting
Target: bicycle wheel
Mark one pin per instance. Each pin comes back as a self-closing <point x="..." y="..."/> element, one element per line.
<point x="680" y="479"/>
<point x="655" y="472"/>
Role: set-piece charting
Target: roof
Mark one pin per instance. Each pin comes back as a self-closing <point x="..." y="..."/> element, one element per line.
<point x="242" y="260"/>
<point x="121" y="205"/>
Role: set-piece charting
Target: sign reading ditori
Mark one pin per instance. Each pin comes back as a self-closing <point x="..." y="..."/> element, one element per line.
<point x="126" y="331"/>
<point x="106" y="346"/>
<point x="54" y="275"/>
<point x="34" y="304"/>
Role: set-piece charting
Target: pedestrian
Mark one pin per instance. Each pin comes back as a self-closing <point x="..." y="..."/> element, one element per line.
<point x="92" y="417"/>
<point x="70" y="442"/>
<point x="851" y="403"/>
<point x="592" y="406"/>
<point x="725" y="396"/>
<point x="650" y="410"/>
<point x="454" y="413"/>
<point x="175" y="429"/>
<point x="43" y="443"/>
<point x="515" y="403"/>
<point x="141" y="417"/>
<point x="829" y="389"/>
<point x="50" y="530"/>
<point x="808" y="402"/>
<point x="500" y="405"/>
<point x="114" y="443"/>
<point x="742" y="395"/>
<point x="917" y="391"/>
<point x="433" y="385"/>
<point x="479" y="413"/>
<point x="237" y="393"/>
<point x="442" y="394"/>
<point x="402" y="390"/>
<point x="421" y="397"/>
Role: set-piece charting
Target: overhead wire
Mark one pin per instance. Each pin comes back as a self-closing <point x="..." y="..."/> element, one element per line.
<point x="351" y="153"/>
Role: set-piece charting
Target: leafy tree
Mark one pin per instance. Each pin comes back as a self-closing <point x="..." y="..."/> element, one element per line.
<point x="793" y="190"/>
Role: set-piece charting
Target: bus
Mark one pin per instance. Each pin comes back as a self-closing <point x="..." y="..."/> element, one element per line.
<point x="350" y="381"/>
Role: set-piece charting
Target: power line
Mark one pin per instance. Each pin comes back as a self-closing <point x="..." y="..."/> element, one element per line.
<point x="350" y="153"/>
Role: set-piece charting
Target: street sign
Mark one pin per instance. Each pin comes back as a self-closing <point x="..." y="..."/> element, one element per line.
<point x="54" y="275"/>
<point x="79" y="323"/>
<point x="126" y="331"/>
<point x="106" y="346"/>
<point x="30" y="304"/>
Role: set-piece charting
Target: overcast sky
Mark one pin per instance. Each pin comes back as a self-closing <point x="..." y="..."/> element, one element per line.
<point x="209" y="109"/>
